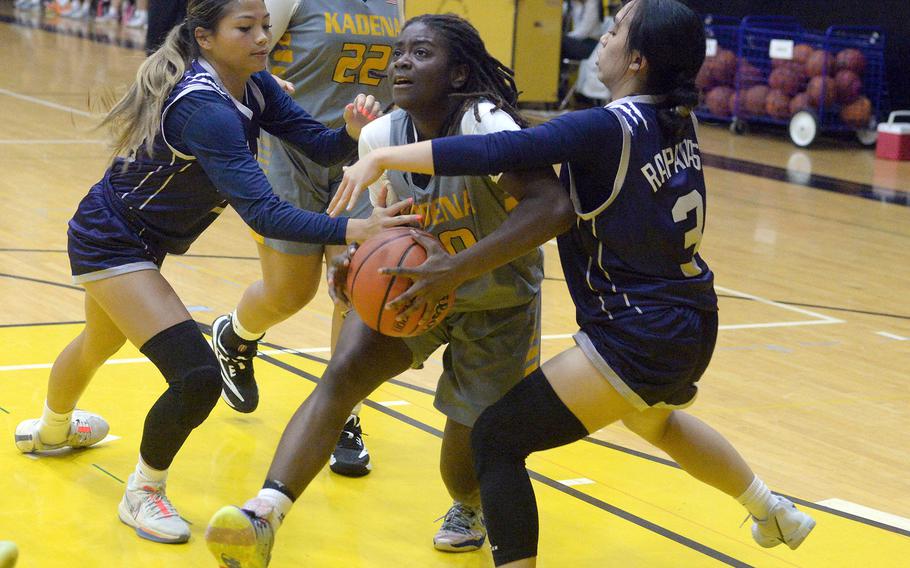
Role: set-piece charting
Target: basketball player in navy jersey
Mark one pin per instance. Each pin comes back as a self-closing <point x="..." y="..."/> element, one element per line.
<point x="188" y="127"/>
<point x="645" y="299"/>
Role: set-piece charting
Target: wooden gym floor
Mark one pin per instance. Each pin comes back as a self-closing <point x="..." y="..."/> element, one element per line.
<point x="809" y="379"/>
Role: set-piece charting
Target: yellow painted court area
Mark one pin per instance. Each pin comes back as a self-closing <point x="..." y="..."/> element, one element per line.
<point x="636" y="511"/>
<point x="808" y="380"/>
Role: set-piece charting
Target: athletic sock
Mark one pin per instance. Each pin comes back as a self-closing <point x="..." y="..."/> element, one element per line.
<point x="147" y="474"/>
<point x="757" y="499"/>
<point x="54" y="428"/>
<point x="281" y="505"/>
<point x="241" y="331"/>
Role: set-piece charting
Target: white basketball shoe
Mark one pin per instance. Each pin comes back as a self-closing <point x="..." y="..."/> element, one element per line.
<point x="785" y="524"/>
<point x="86" y="429"/>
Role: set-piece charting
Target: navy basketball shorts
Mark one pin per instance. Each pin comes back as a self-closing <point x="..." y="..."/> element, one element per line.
<point x="102" y="244"/>
<point x="653" y="359"/>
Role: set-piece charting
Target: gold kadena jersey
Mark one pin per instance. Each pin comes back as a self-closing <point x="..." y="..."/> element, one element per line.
<point x="333" y="50"/>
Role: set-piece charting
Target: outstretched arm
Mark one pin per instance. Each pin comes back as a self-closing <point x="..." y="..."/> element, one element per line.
<point x="578" y="136"/>
<point x="543" y="211"/>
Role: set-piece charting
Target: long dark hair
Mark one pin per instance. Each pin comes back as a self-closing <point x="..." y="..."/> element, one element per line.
<point x="136" y="118"/>
<point x="488" y="79"/>
<point x="671" y="37"/>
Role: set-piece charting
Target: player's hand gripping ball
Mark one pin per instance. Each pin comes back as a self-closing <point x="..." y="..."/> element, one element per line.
<point x="369" y="291"/>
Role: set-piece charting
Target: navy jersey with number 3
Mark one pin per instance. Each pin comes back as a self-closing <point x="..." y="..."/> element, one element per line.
<point x="639" y="197"/>
<point x="635" y="243"/>
<point x="644" y="298"/>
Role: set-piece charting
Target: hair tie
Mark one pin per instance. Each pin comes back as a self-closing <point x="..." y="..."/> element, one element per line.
<point x="682" y="111"/>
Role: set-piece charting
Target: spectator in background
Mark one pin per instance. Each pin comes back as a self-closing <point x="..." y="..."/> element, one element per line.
<point x="585" y="18"/>
<point x="162" y="16"/>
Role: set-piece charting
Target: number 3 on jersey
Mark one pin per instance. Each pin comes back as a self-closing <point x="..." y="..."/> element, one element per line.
<point x="685" y="205"/>
<point x="359" y="61"/>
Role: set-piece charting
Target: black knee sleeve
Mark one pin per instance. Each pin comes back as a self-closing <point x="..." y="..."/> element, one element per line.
<point x="529" y="418"/>
<point x="189" y="366"/>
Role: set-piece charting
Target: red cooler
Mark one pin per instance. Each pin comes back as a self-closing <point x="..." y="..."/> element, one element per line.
<point x="894" y="138"/>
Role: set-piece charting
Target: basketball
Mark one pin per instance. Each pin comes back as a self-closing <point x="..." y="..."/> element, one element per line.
<point x="801" y="53"/>
<point x="817" y="64"/>
<point x="723" y="67"/>
<point x="369" y="291"/>
<point x="848" y="86"/>
<point x="718" y="101"/>
<point x="749" y="74"/>
<point x="857" y="113"/>
<point x="800" y="102"/>
<point x="777" y="105"/>
<point x="704" y="81"/>
<point x="851" y="60"/>
<point x="814" y="90"/>
<point x="786" y="79"/>
<point x="754" y="100"/>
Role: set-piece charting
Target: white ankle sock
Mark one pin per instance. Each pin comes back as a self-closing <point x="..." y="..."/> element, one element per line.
<point x="757" y="499"/>
<point x="54" y="428"/>
<point x="241" y="331"/>
<point x="281" y="505"/>
<point x="147" y="474"/>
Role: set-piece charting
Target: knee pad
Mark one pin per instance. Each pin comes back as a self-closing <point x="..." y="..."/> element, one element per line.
<point x="529" y="418"/>
<point x="189" y="366"/>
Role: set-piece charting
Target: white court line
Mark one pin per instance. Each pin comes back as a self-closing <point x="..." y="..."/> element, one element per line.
<point x="867" y="513"/>
<point x="759" y="299"/>
<point x="892" y="336"/>
<point x="43" y="142"/>
<point x="821" y="319"/>
<point x="42" y="102"/>
<point x="145" y="360"/>
<point x="576" y="481"/>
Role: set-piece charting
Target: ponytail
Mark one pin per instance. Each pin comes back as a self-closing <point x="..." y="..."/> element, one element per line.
<point x="136" y="118"/>
<point x="674" y="115"/>
<point x="671" y="37"/>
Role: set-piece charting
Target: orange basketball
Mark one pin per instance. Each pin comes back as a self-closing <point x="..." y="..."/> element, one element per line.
<point x="719" y="100"/>
<point x="369" y="291"/>
<point x="821" y="89"/>
<point x="777" y="104"/>
<point x="858" y="113"/>
<point x="786" y="79"/>
<point x="818" y="64"/>
<point x="800" y="102"/>
<point x="850" y="59"/>
<point x="754" y="100"/>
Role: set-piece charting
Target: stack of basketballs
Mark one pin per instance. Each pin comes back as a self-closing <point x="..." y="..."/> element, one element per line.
<point x="811" y="78"/>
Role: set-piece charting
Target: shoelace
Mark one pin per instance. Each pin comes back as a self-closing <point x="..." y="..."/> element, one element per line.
<point x="458" y="519"/>
<point x="351" y="438"/>
<point x="82" y="432"/>
<point x="157" y="504"/>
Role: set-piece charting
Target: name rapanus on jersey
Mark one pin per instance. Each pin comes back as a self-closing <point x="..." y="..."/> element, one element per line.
<point x="671" y="160"/>
<point x="361" y="24"/>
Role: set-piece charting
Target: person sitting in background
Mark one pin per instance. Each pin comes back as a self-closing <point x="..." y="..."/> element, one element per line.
<point x="586" y="17"/>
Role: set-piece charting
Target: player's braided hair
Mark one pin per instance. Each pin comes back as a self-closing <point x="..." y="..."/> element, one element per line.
<point x="488" y="79"/>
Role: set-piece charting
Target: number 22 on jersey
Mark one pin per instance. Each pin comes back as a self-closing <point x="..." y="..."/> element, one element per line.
<point x="360" y="62"/>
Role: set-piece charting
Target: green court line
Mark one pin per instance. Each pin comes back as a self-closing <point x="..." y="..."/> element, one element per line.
<point x="98" y="467"/>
